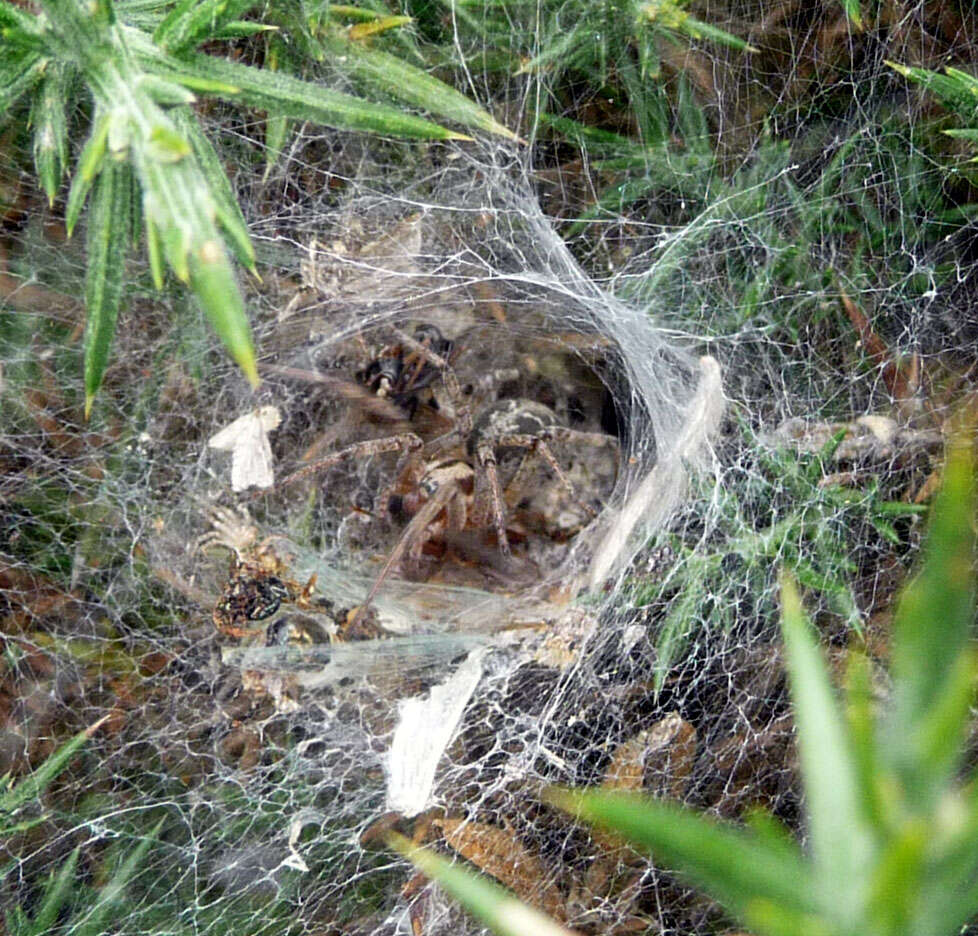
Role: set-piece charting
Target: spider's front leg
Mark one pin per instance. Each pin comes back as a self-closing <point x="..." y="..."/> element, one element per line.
<point x="486" y="454"/>
<point x="406" y="442"/>
<point x="441" y="486"/>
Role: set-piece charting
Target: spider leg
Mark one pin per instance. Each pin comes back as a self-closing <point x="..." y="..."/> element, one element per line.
<point x="407" y="441"/>
<point x="412" y="532"/>
<point x="537" y="444"/>
<point x="409" y="461"/>
<point x="487" y="459"/>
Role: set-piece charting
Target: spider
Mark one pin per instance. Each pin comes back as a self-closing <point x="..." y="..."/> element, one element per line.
<point x="452" y="483"/>
<point x="459" y="494"/>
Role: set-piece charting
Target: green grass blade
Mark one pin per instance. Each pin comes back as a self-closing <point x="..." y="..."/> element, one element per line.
<point x="109" y="231"/>
<point x="50" y="130"/>
<point x="862" y="730"/>
<point x="735" y="866"/>
<point x="31" y="787"/>
<point x="842" y="840"/>
<point x="493" y="905"/>
<point x="241" y="29"/>
<point x="853" y="14"/>
<point x="611" y="202"/>
<point x="592" y="139"/>
<point x="897" y="879"/>
<point x="931" y="631"/>
<point x="697" y="29"/>
<point x="55" y="894"/>
<point x="112" y="892"/>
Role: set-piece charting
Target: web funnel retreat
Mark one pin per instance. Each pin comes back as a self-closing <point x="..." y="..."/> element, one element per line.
<point x="562" y="451"/>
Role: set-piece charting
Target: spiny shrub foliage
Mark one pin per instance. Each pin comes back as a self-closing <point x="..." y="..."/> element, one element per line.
<point x="892" y="831"/>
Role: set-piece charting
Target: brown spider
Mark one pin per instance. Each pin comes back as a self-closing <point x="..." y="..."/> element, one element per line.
<point x="449" y="495"/>
<point x="452" y="483"/>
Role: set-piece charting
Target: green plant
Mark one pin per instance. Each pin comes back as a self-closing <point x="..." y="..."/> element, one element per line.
<point x="87" y="913"/>
<point x="956" y="90"/>
<point x="776" y="510"/>
<point x="146" y="163"/>
<point x="892" y="846"/>
<point x="677" y="160"/>
<point x="15" y="798"/>
<point x="891" y="830"/>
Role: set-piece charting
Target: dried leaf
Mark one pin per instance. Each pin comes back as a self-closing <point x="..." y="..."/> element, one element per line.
<point x="499" y="853"/>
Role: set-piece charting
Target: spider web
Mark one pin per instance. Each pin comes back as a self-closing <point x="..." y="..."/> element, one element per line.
<point x="774" y="330"/>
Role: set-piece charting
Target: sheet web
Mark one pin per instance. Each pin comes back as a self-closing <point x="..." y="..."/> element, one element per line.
<point x="727" y="337"/>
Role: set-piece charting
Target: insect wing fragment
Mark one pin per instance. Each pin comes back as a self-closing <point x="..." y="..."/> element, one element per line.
<point x="326" y="664"/>
<point x="251" y="454"/>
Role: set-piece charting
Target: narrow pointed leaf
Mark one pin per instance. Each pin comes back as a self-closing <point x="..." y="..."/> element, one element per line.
<point x="153" y="252"/>
<point x="897" y="879"/>
<point x="765" y="916"/>
<point x="242" y="29"/>
<point x="732" y="864"/>
<point x="166" y="145"/>
<point x="165" y="93"/>
<point x="697" y="29"/>
<point x="31" y="786"/>
<point x="20" y="71"/>
<point x="226" y="205"/>
<point x="853" y="14"/>
<point x="50" y="133"/>
<point x="190" y="24"/>
<point x="595" y="140"/>
<point x="494" y="906"/>
<point x="89" y="165"/>
<point x="957" y="871"/>
<point x="57" y="890"/>
<point x="282" y="94"/>
<point x="112" y="892"/>
<point x="862" y="731"/>
<point x="109" y="230"/>
<point x="276" y="131"/>
<point x="403" y="81"/>
<point x="214" y="285"/>
<point x="383" y="23"/>
<point x="841" y="838"/>
<point x="931" y="632"/>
